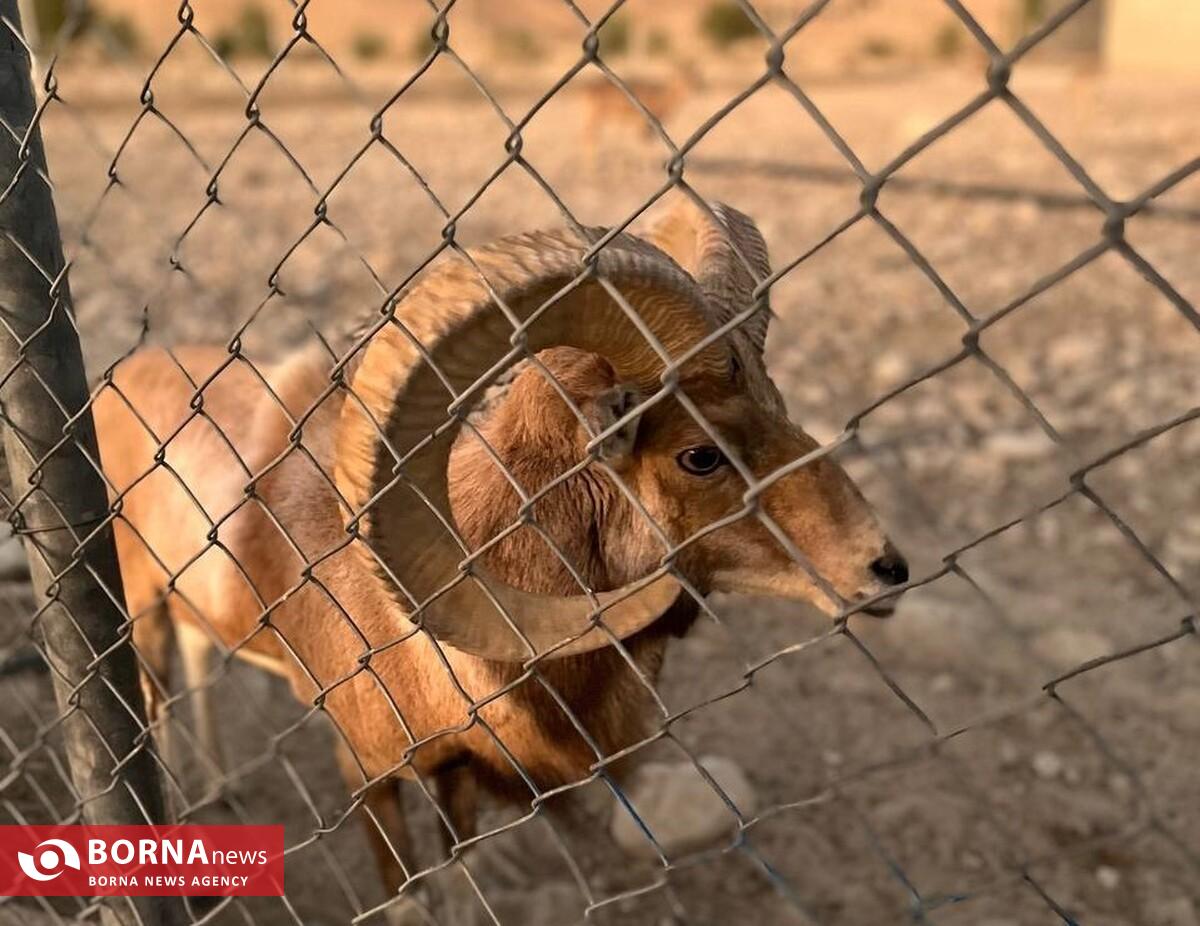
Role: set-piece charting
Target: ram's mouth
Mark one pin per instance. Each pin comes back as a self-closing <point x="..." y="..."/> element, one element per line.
<point x="880" y="609"/>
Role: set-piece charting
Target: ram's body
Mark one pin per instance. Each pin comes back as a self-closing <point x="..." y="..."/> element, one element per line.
<point x="272" y="524"/>
<point x="226" y="587"/>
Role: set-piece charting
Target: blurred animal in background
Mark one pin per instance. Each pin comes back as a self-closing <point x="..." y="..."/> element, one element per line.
<point x="612" y="122"/>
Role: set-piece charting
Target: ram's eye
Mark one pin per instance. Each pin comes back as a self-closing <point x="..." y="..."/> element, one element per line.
<point x="701" y="461"/>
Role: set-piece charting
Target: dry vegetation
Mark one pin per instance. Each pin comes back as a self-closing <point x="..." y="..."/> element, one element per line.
<point x="868" y="815"/>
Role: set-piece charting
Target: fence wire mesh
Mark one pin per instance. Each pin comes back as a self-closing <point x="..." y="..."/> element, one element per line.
<point x="981" y="293"/>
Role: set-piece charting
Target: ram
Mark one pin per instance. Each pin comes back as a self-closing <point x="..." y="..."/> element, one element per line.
<point x="433" y="579"/>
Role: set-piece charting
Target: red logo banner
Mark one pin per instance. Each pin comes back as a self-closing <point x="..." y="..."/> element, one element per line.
<point x="141" y="861"/>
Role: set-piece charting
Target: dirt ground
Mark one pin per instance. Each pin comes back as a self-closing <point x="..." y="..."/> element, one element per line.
<point x="1007" y="804"/>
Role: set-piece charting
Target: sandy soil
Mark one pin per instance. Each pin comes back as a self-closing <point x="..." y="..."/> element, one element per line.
<point x="976" y="796"/>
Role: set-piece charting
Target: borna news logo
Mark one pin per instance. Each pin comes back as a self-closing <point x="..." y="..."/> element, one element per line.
<point x="141" y="861"/>
<point x="49" y="859"/>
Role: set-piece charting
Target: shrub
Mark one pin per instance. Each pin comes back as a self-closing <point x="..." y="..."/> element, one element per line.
<point x="614" y="37"/>
<point x="724" y="23"/>
<point x="1033" y="12"/>
<point x="251" y="35"/>
<point x="50" y="16"/>
<point x="518" y="44"/>
<point x="70" y="18"/>
<point x="224" y="43"/>
<point x="254" y="32"/>
<point x="423" y="45"/>
<point x="658" y="43"/>
<point x="947" y="41"/>
<point x="120" y="36"/>
<point x="878" y="47"/>
<point x="370" y="46"/>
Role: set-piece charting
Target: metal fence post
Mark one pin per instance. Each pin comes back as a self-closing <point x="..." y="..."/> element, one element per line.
<point x="59" y="497"/>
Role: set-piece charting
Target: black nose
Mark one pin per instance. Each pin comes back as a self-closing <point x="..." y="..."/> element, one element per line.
<point x="891" y="568"/>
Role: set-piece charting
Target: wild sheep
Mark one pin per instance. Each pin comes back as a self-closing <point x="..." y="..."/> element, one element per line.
<point x="290" y="538"/>
<point x="611" y="121"/>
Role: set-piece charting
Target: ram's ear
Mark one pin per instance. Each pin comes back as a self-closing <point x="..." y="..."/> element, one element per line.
<point x="606" y="409"/>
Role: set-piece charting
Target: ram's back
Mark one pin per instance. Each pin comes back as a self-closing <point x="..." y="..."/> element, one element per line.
<point x="257" y="569"/>
<point x="190" y="534"/>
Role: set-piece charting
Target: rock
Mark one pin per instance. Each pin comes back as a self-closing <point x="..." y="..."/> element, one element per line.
<point x="1067" y="647"/>
<point x="1047" y="764"/>
<point x="1018" y="446"/>
<point x="1048" y="530"/>
<point x="1119" y="784"/>
<point x="942" y="683"/>
<point x="971" y="861"/>
<point x="1108" y="877"/>
<point x="891" y="368"/>
<point x="680" y="808"/>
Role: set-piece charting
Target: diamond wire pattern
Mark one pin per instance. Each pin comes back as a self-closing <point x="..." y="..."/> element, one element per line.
<point x="27" y="752"/>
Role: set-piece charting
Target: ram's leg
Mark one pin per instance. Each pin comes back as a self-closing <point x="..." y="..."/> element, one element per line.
<point x="196" y="651"/>
<point x="459" y="797"/>
<point x="458" y="794"/>
<point x="153" y="638"/>
<point x="390" y="842"/>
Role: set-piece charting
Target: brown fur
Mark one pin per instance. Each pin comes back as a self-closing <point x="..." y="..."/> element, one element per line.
<point x="247" y="587"/>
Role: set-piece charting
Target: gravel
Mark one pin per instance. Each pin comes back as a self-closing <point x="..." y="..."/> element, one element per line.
<point x="853" y="786"/>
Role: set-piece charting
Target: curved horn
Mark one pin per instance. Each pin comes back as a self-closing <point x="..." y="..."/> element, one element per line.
<point x="450" y="338"/>
<point x="726" y="254"/>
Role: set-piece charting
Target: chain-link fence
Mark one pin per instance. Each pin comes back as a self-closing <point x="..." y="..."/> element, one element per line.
<point x="434" y="529"/>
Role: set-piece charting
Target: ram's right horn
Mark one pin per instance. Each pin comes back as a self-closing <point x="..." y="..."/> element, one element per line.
<point x="450" y="337"/>
<point x="724" y="251"/>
